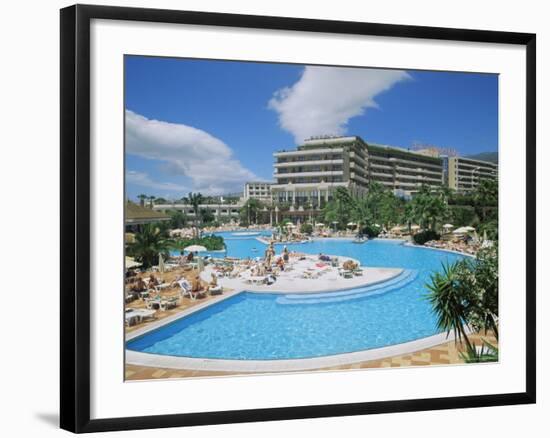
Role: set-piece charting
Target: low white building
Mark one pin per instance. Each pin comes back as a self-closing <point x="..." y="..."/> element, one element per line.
<point x="260" y="190"/>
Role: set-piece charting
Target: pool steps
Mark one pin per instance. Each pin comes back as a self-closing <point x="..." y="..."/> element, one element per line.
<point x="404" y="278"/>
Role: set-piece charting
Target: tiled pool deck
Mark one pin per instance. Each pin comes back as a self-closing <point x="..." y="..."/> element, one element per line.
<point x="447" y="353"/>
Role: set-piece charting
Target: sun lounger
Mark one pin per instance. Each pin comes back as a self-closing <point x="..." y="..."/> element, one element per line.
<point x="358" y="272"/>
<point x="169" y="303"/>
<point x="185" y="287"/>
<point x="197" y="294"/>
<point x="216" y="290"/>
<point x="153" y="303"/>
<point x="162" y="286"/>
<point x="346" y="273"/>
<point x="145" y="294"/>
<point x="135" y="316"/>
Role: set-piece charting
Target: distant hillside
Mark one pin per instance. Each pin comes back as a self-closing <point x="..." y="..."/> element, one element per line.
<point x="485" y="156"/>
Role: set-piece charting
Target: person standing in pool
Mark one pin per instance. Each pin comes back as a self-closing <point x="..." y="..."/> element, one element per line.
<point x="269" y="253"/>
<point x="285" y="254"/>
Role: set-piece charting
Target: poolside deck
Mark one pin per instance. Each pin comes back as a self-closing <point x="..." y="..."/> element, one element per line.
<point x="447" y="353"/>
<point x="324" y="278"/>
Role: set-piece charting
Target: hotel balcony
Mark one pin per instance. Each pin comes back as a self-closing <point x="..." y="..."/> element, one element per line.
<point x="358" y="168"/>
<point x="381" y="175"/>
<point x="310" y="185"/>
<point x="309" y="163"/>
<point x="475" y="164"/>
<point x="296" y="153"/>
<point x="421" y="170"/>
<point x="375" y="165"/>
<point x="417" y="164"/>
<point x="359" y="178"/>
<point x="355" y="156"/>
<point x="311" y="174"/>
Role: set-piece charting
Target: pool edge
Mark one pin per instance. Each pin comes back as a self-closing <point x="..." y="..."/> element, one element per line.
<point x="283" y="365"/>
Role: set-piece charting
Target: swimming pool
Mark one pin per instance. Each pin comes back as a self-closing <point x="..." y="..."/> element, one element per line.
<point x="253" y="326"/>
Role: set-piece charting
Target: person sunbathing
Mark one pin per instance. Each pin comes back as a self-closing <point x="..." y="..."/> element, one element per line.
<point x="139" y="286"/>
<point x="349" y="265"/>
<point x="213" y="281"/>
<point x="196" y="284"/>
<point x="153" y="280"/>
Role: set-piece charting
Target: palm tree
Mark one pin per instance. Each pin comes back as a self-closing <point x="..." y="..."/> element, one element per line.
<point x="429" y="208"/>
<point x="374" y="199"/>
<point x="178" y="219"/>
<point x="149" y="242"/>
<point x="486" y="195"/>
<point x="195" y="199"/>
<point x="151" y="201"/>
<point x="344" y="202"/>
<point x="447" y="297"/>
<point x="142" y="199"/>
<point x="409" y="215"/>
<point x="361" y="213"/>
<point x="251" y="210"/>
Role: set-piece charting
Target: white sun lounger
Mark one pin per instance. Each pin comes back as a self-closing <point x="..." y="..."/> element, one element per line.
<point x="186" y="290"/>
<point x="135" y="316"/>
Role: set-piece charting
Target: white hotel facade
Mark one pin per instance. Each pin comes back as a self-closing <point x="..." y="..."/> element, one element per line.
<point x="309" y="175"/>
<point x="465" y="174"/>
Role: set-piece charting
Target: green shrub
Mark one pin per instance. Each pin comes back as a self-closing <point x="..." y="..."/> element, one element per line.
<point x="371" y="231"/>
<point x="425" y="236"/>
<point x="461" y="215"/>
<point x="211" y="243"/>
<point x="491" y="228"/>
<point x="306" y="228"/>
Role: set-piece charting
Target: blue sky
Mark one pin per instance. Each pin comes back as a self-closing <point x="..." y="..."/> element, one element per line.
<point x="200" y="125"/>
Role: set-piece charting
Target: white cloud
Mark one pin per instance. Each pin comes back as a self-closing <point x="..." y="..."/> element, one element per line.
<point x="187" y="151"/>
<point x="325" y="98"/>
<point x="144" y="180"/>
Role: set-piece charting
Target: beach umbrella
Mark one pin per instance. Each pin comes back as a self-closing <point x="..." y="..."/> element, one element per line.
<point x="415" y="227"/>
<point x="319" y="224"/>
<point x="195" y="248"/>
<point x="130" y="263"/>
<point x="468" y="228"/>
<point x="351" y="224"/>
<point x="462" y="230"/>
<point x="448" y="226"/>
<point x="161" y="263"/>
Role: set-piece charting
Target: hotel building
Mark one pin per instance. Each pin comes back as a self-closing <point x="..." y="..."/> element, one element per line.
<point x="403" y="171"/>
<point x="220" y="211"/>
<point x="309" y="175"/>
<point x="464" y="174"/>
<point x="257" y="190"/>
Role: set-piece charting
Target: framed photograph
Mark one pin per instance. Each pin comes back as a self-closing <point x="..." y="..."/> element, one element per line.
<point x="269" y="218"/>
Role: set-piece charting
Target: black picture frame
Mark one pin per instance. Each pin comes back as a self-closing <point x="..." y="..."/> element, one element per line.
<point x="75" y="217"/>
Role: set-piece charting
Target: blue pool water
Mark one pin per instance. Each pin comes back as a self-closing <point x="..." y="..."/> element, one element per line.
<point x="291" y="326"/>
